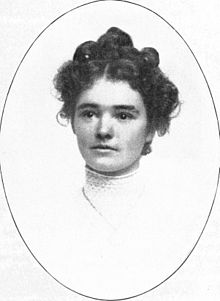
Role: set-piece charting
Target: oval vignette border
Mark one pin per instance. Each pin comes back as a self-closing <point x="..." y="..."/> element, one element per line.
<point x="218" y="125"/>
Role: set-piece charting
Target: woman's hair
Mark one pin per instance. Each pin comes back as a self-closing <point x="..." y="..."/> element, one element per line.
<point x="114" y="57"/>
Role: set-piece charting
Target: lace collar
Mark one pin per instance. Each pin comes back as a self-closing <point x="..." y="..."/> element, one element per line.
<point x="112" y="196"/>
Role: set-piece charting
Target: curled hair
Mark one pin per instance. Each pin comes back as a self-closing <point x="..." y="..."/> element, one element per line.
<point x="114" y="56"/>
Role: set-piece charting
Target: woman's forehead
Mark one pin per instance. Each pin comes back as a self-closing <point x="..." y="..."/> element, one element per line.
<point x="111" y="93"/>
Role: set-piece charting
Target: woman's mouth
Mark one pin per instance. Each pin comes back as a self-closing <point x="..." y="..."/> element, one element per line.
<point x="103" y="147"/>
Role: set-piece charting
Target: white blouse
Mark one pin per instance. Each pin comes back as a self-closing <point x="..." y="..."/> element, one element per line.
<point x="118" y="236"/>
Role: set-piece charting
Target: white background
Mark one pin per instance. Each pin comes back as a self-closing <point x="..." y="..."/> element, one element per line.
<point x="21" y="278"/>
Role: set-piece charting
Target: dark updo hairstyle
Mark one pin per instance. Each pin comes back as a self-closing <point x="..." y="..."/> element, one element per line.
<point x="115" y="57"/>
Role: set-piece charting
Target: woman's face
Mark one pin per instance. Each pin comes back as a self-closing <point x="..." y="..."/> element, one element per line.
<point x="110" y="123"/>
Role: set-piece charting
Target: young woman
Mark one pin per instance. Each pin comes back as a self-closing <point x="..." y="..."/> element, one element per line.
<point x="116" y="98"/>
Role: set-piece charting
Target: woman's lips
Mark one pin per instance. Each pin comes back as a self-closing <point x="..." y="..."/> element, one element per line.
<point x="103" y="147"/>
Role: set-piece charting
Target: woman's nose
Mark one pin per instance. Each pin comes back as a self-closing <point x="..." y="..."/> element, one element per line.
<point x="104" y="128"/>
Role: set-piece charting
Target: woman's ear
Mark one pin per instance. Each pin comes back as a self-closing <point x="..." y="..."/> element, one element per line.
<point x="147" y="145"/>
<point x="149" y="137"/>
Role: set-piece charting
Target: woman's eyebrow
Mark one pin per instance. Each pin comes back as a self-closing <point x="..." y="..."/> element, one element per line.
<point x="127" y="108"/>
<point x="87" y="106"/>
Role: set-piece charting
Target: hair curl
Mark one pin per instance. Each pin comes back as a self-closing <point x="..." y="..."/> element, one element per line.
<point x="115" y="57"/>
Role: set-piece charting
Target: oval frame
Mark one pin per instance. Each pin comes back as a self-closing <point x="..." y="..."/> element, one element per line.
<point x="218" y="125"/>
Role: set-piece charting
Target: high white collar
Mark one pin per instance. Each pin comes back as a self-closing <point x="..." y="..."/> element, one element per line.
<point x="112" y="196"/>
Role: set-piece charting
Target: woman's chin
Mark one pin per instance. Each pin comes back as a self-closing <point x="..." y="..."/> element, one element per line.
<point x="103" y="169"/>
<point x="112" y="170"/>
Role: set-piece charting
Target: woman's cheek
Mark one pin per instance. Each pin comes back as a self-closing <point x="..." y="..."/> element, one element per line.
<point x="86" y="133"/>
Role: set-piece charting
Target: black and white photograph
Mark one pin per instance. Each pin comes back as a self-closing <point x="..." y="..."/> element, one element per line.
<point x="109" y="151"/>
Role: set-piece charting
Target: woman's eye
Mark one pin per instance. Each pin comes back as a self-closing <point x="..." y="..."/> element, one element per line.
<point x="88" y="114"/>
<point x="124" y="116"/>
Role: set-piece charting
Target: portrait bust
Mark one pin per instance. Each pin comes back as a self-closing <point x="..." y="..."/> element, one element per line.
<point x="116" y="98"/>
